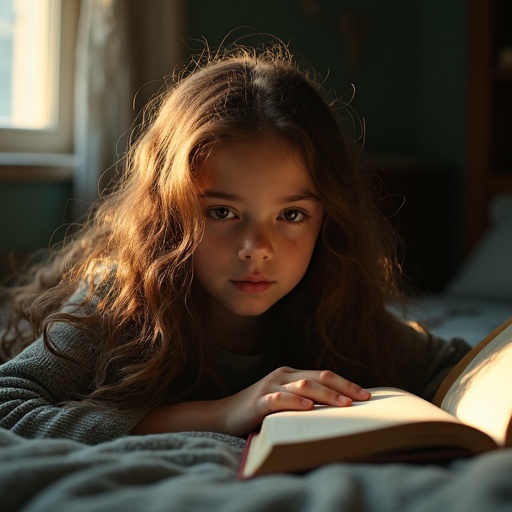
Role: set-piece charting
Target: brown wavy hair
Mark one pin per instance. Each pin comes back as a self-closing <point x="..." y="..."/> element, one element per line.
<point x="136" y="250"/>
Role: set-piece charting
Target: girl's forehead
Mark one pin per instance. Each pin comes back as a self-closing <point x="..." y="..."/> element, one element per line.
<point x="256" y="150"/>
<point x="265" y="159"/>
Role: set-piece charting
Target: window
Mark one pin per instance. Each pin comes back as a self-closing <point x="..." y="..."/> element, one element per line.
<point x="29" y="51"/>
<point x="36" y="75"/>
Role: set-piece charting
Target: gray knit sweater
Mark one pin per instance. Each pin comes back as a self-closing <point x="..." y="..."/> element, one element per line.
<point x="39" y="390"/>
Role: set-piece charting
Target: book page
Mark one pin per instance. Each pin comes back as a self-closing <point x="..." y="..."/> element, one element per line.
<point x="392" y="419"/>
<point x="482" y="395"/>
<point x="387" y="407"/>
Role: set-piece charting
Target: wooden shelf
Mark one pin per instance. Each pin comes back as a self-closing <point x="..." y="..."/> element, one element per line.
<point x="36" y="167"/>
<point x="22" y="174"/>
<point x="489" y="157"/>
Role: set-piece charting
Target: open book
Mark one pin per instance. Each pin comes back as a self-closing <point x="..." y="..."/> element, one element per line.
<point x="471" y="413"/>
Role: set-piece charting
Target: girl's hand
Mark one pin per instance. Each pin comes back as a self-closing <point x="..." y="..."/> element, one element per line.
<point x="242" y="413"/>
<point x="285" y="389"/>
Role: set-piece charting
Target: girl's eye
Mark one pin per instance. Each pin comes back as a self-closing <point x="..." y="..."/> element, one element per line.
<point x="220" y="213"/>
<point x="293" y="216"/>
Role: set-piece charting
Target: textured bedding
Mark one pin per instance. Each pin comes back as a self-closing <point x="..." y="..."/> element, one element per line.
<point x="449" y="316"/>
<point x="197" y="472"/>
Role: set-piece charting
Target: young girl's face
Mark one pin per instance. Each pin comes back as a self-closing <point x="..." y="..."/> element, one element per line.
<point x="262" y="222"/>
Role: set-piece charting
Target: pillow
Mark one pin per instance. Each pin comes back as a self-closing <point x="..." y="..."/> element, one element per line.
<point x="487" y="272"/>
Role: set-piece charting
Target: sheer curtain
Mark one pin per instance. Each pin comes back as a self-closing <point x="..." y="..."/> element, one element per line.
<point x="121" y="45"/>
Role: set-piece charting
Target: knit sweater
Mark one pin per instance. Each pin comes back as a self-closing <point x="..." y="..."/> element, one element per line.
<point x="39" y="390"/>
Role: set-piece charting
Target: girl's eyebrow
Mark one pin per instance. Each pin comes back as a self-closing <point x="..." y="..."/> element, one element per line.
<point x="306" y="196"/>
<point x="216" y="194"/>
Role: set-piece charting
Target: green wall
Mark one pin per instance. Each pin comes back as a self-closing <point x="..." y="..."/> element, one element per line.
<point x="411" y="81"/>
<point x="30" y="213"/>
<point x="442" y="79"/>
<point x="30" y="217"/>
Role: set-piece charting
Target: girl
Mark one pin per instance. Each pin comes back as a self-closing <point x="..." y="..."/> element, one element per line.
<point x="239" y="268"/>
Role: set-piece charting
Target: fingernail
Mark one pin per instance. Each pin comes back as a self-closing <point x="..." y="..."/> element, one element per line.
<point x="344" y="400"/>
<point x="305" y="402"/>
<point x="363" y="393"/>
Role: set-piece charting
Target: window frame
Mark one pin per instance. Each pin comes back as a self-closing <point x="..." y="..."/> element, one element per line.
<point x="15" y="142"/>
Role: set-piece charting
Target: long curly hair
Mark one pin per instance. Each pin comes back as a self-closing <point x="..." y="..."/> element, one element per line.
<point x="135" y="252"/>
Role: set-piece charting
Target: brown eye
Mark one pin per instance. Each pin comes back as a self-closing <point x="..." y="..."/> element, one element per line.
<point x="293" y="216"/>
<point x="220" y="213"/>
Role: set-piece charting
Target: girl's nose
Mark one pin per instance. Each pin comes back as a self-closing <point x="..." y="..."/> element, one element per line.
<point x="256" y="247"/>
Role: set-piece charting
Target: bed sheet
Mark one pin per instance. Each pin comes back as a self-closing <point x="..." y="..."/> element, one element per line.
<point x="452" y="316"/>
<point x="190" y="472"/>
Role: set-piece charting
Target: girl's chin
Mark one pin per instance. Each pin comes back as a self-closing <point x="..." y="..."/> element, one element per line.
<point x="247" y="310"/>
<point x="242" y="306"/>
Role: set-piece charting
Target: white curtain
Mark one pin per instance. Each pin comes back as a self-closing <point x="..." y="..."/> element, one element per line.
<point x="102" y="97"/>
<point x="125" y="48"/>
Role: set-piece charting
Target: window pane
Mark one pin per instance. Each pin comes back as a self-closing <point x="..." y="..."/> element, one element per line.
<point x="29" y="34"/>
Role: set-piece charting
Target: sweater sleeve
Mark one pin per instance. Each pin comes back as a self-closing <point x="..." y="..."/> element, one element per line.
<point x="428" y="359"/>
<point x="40" y="393"/>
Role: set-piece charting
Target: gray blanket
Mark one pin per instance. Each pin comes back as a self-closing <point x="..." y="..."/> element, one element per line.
<point x="197" y="472"/>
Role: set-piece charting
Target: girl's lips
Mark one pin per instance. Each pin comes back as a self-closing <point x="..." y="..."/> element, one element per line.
<point x="252" y="286"/>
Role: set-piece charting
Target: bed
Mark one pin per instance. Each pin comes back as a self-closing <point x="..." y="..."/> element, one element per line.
<point x="197" y="471"/>
<point x="479" y="297"/>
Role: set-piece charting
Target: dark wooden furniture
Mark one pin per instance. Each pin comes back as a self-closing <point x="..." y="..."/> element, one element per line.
<point x="489" y="166"/>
